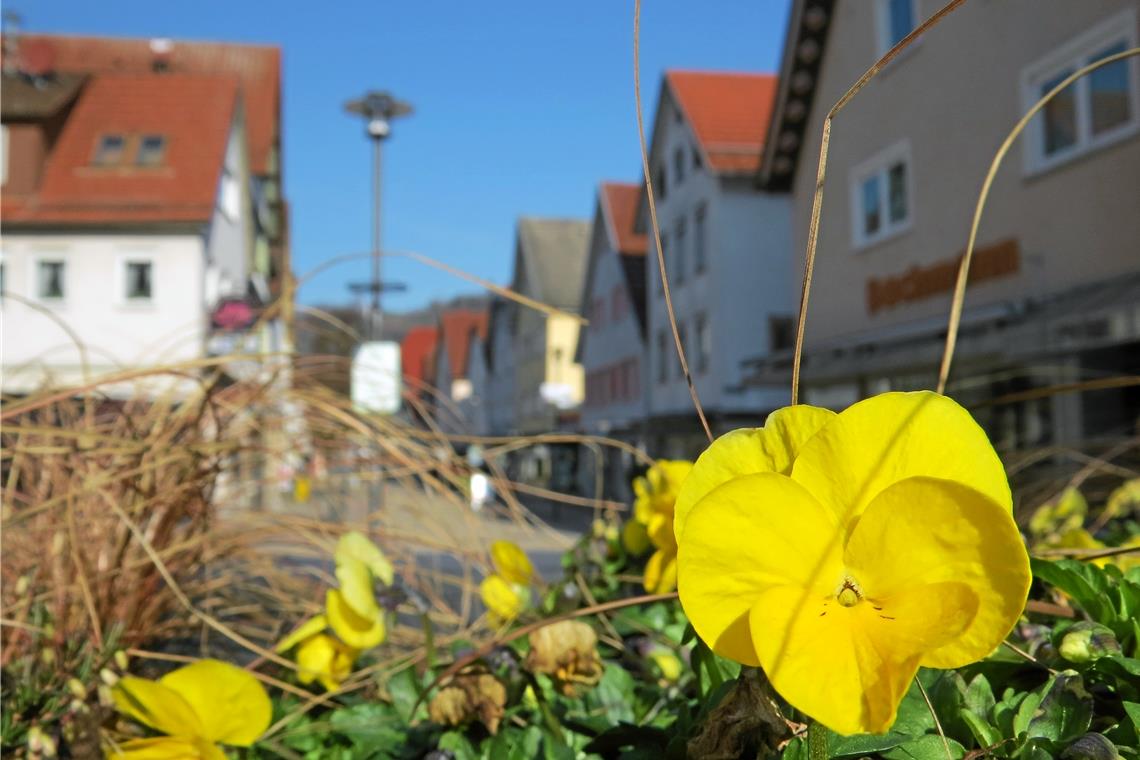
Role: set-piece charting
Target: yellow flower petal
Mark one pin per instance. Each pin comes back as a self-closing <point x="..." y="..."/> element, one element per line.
<point x="156" y="705"/>
<point x="511" y="562"/>
<point x="925" y="530"/>
<point x="356" y="545"/>
<point x="742" y="539"/>
<point x="168" y="748"/>
<point x="231" y="704"/>
<point x="356" y="587"/>
<point x="325" y="659"/>
<point x="849" y="667"/>
<point x="501" y="598"/>
<point x="310" y="627"/>
<point x="357" y="631"/>
<point x="634" y="538"/>
<point x="893" y="436"/>
<point x="660" y="531"/>
<point x="661" y="572"/>
<point x="771" y="448"/>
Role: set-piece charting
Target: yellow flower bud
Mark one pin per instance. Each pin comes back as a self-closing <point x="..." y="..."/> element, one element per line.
<point x="122" y="660"/>
<point x="77" y="689"/>
<point x="108" y="676"/>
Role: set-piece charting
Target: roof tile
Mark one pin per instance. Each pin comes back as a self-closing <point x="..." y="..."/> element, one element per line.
<point x="729" y="112"/>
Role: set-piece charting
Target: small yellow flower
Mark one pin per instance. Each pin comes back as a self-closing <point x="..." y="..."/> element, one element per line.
<point x="841" y="552"/>
<point x="635" y="538"/>
<point x="198" y="707"/>
<point x="504" y="600"/>
<point x="668" y="663"/>
<point x="511" y="562"/>
<point x="653" y="508"/>
<point x="320" y="657"/>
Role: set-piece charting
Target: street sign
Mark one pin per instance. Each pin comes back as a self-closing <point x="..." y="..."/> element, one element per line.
<point x="377" y="377"/>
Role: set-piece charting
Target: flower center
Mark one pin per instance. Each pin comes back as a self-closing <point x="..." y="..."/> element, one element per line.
<point x="849" y="594"/>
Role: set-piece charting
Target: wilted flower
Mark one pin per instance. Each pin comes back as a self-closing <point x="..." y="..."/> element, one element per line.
<point x="655" y="497"/>
<point x="198" y="707"/>
<point x="840" y="552"/>
<point x="567" y="651"/>
<point x="470" y="696"/>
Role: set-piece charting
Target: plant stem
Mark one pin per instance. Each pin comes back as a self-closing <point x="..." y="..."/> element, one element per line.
<point x="429" y="643"/>
<point x="817" y="741"/>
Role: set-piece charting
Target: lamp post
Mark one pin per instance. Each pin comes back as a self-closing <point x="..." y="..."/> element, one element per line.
<point x="378" y="110"/>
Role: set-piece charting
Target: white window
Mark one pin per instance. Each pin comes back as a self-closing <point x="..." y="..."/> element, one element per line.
<point x="151" y="150"/>
<point x="882" y="197"/>
<point x="109" y="150"/>
<point x="1096" y="110"/>
<point x="895" y="19"/>
<point x="51" y="279"/>
<point x="138" y="281"/>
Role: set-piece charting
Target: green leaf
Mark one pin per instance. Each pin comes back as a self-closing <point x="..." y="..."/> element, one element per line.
<point x="984" y="734"/>
<point x="862" y="744"/>
<point x="404" y="690"/>
<point x="926" y="748"/>
<point x="459" y="745"/>
<point x="1084" y="582"/>
<point x="369" y="725"/>
<point x="979" y="698"/>
<point x="1059" y="711"/>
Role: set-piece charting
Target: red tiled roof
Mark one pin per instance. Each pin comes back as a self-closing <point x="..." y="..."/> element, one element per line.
<point x="729" y="112"/>
<point x="620" y="200"/>
<point x="416" y="350"/>
<point x="194" y="113"/>
<point x="258" y="67"/>
<point x="457" y="326"/>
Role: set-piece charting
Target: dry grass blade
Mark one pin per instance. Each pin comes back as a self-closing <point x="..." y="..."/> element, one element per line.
<point x="964" y="267"/>
<point x="817" y="198"/>
<point x="656" y="227"/>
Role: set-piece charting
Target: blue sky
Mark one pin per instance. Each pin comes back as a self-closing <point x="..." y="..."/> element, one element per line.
<point x="521" y="109"/>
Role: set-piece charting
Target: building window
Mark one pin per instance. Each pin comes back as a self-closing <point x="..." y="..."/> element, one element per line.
<point x="679" y="254"/>
<point x="50" y="284"/>
<point x="704" y="343"/>
<point x="109" y="150"/>
<point x="139" y="283"/>
<point x="662" y="363"/>
<point x="881" y="196"/>
<point x="700" y="240"/>
<point x="1097" y="109"/>
<point x="697" y="162"/>
<point x="659" y="185"/>
<point x="679" y="165"/>
<point x="151" y="150"/>
<point x="781" y="333"/>
<point x="896" y="19"/>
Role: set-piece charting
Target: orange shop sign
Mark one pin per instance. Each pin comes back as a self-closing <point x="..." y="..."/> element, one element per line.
<point x="919" y="283"/>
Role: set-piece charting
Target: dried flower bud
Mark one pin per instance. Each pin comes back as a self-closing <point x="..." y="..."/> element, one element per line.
<point x="106" y="698"/>
<point x="58" y="543"/>
<point x="109" y="676"/>
<point x="22" y="585"/>
<point x="122" y="660"/>
<point x="1085" y="642"/>
<point x="470" y="696"/>
<point x="47" y="656"/>
<point x="77" y="689"/>
<point x="1091" y="747"/>
<point x="567" y="652"/>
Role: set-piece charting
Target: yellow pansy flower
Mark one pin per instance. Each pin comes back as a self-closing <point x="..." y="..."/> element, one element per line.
<point x="653" y="508"/>
<point x="354" y="545"/>
<point x="635" y="538"/>
<point x="504" y="600"/>
<point x="511" y="562"/>
<point x="841" y="552"/>
<point x="320" y="657"/>
<point x="198" y="707"/>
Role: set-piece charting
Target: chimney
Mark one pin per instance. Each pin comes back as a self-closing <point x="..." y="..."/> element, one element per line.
<point x="161" y="50"/>
<point x="12" y="21"/>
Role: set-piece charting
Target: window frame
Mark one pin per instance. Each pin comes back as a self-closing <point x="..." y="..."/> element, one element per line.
<point x="879" y="165"/>
<point x="883" y="26"/>
<point x="662" y="366"/>
<point x="39" y="260"/>
<point x="680" y="233"/>
<point x="124" y="142"/>
<point x="700" y="238"/>
<point x="123" y="267"/>
<point x="1070" y="56"/>
<point x="159" y="155"/>
<point x="703" y="331"/>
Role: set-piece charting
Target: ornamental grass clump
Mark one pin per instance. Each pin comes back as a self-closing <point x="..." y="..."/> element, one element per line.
<point x="842" y="551"/>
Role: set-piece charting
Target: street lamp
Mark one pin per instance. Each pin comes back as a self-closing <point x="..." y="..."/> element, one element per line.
<point x="378" y="110"/>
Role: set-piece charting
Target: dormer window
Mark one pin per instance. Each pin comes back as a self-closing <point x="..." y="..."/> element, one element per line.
<point x="151" y="150"/>
<point x="109" y="151"/>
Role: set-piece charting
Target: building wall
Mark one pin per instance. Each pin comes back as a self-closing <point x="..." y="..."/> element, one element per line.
<point x="501" y="380"/>
<point x="531" y="412"/>
<point x="562" y="372"/>
<point x="116" y="334"/>
<point x="613" y="344"/>
<point x="476" y="409"/>
<point x="745" y="280"/>
<point x="231" y="231"/>
<point x="24" y="151"/>
<point x="952" y="99"/>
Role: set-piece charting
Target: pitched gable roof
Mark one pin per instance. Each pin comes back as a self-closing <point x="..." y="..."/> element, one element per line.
<point x="553" y="257"/>
<point x="194" y="114"/>
<point x="455" y="328"/>
<point x="257" y="67"/>
<point x="619" y="207"/>
<point x="729" y="113"/>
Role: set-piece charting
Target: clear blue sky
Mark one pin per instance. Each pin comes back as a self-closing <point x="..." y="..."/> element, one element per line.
<point x="521" y="109"/>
